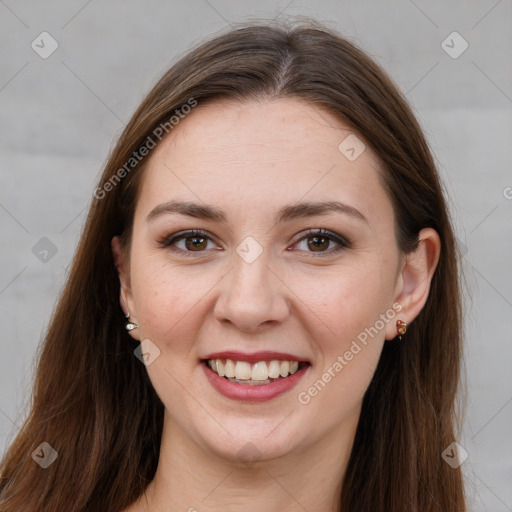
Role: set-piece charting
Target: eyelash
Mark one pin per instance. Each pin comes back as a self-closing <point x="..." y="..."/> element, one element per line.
<point x="342" y="242"/>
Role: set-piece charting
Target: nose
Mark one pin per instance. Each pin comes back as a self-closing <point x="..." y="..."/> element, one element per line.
<point x="252" y="297"/>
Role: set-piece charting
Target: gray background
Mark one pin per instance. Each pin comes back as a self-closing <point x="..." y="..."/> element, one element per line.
<point x="60" y="116"/>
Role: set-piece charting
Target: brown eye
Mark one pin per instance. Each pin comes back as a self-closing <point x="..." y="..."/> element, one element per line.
<point x="196" y="243"/>
<point x="318" y="243"/>
<point x="188" y="242"/>
<point x="321" y="242"/>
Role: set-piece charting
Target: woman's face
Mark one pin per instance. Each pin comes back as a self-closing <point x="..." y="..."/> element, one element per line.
<point x="258" y="286"/>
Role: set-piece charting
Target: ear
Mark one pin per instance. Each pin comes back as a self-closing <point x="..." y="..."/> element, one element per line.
<point x="125" y="292"/>
<point x="413" y="284"/>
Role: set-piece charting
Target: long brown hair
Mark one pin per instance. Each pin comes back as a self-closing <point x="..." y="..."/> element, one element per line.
<point x="92" y="400"/>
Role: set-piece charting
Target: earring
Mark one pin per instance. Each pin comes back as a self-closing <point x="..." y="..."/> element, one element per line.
<point x="130" y="325"/>
<point x="401" y="328"/>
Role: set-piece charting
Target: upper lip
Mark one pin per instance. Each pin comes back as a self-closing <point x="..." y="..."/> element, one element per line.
<point x="255" y="357"/>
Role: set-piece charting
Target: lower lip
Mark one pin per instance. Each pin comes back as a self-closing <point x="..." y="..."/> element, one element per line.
<point x="256" y="393"/>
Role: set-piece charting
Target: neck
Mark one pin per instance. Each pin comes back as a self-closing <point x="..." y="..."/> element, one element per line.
<point x="189" y="478"/>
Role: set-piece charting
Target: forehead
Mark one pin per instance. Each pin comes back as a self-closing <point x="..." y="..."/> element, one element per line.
<point x="263" y="154"/>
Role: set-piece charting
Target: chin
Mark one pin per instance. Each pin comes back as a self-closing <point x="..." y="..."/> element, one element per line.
<point x="249" y="439"/>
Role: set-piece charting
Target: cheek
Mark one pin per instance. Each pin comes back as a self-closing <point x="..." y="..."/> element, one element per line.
<point x="345" y="302"/>
<point x="349" y="341"/>
<point x="168" y="300"/>
<point x="349" y="314"/>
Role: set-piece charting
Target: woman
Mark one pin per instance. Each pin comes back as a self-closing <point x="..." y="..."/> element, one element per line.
<point x="263" y="310"/>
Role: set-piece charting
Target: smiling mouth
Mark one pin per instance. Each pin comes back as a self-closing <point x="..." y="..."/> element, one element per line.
<point x="254" y="374"/>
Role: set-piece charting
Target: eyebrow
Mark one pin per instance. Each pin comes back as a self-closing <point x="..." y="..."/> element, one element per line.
<point x="287" y="213"/>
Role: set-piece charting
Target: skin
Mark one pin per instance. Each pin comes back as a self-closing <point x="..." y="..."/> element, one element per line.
<point x="250" y="160"/>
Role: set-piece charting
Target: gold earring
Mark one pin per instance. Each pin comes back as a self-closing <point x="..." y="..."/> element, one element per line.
<point x="130" y="325"/>
<point x="401" y="328"/>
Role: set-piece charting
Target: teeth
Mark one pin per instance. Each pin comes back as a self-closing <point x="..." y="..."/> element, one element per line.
<point x="229" y="369"/>
<point x="259" y="372"/>
<point x="220" y="368"/>
<point x="242" y="370"/>
<point x="274" y="367"/>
